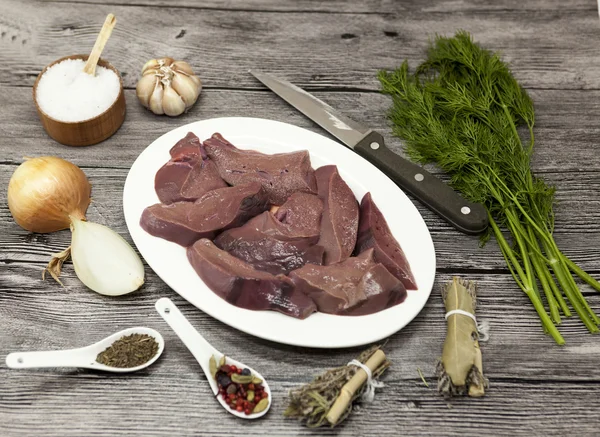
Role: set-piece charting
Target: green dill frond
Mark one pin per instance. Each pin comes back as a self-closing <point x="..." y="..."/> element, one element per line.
<point x="463" y="110"/>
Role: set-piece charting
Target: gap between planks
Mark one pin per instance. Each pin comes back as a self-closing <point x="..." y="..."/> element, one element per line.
<point x="321" y="89"/>
<point x="263" y="10"/>
<point x="231" y="9"/>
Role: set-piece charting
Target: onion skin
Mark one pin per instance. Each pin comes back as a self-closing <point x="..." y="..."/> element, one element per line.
<point x="45" y="192"/>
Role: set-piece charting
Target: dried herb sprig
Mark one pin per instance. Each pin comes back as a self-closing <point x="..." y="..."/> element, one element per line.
<point x="461" y="110"/>
<point x="312" y="402"/>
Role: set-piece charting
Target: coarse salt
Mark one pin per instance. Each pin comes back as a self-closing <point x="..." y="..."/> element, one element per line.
<point x="66" y="93"/>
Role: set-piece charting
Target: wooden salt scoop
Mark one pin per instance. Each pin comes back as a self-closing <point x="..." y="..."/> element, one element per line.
<point x="107" y="28"/>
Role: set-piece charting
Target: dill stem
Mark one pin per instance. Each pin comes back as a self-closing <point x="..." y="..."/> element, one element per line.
<point x="577" y="292"/>
<point x="552" y="304"/>
<point x="509" y="256"/>
<point x="543" y="234"/>
<point x="557" y="293"/>
<point x="531" y="139"/>
<point x="535" y="300"/>
<point x="528" y="236"/>
<point x="582" y="274"/>
<point x="508" y="115"/>
<point x="543" y="270"/>
<point x="531" y="283"/>
<point x="504" y="248"/>
<point x="566" y="286"/>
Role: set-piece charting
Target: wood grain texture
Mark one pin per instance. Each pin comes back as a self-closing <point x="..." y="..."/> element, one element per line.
<point x="566" y="125"/>
<point x="362" y="7"/>
<point x="334" y="48"/>
<point x="530" y="378"/>
<point x="315" y="50"/>
<point x="579" y="236"/>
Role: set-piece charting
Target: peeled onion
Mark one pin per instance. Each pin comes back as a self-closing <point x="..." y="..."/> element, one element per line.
<point x="48" y="194"/>
<point x="112" y="268"/>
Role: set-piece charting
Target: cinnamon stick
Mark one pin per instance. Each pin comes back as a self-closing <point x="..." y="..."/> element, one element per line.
<point x="349" y="389"/>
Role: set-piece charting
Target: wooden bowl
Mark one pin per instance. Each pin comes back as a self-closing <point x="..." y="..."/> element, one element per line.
<point x="86" y="132"/>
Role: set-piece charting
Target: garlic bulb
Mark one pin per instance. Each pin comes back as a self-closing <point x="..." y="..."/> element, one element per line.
<point x="168" y="86"/>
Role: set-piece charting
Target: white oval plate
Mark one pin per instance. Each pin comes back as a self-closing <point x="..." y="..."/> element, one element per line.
<point x="319" y="330"/>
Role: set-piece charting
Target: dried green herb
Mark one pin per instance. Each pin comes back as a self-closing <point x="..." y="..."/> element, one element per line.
<point x="242" y="379"/>
<point x="312" y="402"/>
<point x="129" y="351"/>
<point x="461" y="109"/>
<point x="422" y="377"/>
<point x="212" y="364"/>
<point x="460" y="370"/>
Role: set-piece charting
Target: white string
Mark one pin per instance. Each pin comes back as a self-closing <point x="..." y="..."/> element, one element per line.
<point x="483" y="329"/>
<point x="369" y="392"/>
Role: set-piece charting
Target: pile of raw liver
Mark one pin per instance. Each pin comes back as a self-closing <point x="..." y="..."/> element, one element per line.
<point x="267" y="232"/>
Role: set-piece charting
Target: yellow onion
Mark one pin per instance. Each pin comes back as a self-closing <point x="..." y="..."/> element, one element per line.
<point x="48" y="194"/>
<point x="44" y="192"/>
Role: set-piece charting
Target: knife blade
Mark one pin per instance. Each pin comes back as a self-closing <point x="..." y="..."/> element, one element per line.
<point x="470" y="218"/>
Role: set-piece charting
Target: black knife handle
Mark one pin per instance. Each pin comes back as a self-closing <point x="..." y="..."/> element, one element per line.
<point x="470" y="218"/>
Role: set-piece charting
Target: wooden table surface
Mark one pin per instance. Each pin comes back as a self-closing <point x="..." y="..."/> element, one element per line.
<point x="334" y="49"/>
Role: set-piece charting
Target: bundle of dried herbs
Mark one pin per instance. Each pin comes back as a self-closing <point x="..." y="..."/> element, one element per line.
<point x="462" y="109"/>
<point x="129" y="351"/>
<point x="460" y="371"/>
<point x="328" y="400"/>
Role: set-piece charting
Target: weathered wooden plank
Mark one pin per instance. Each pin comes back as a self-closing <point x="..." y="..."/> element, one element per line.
<point x="577" y="218"/>
<point x="316" y="50"/>
<point x="167" y="405"/>
<point x="566" y="125"/>
<point x="532" y="379"/>
<point x="38" y="315"/>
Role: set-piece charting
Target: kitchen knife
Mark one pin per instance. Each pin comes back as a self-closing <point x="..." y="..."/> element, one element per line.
<point x="467" y="217"/>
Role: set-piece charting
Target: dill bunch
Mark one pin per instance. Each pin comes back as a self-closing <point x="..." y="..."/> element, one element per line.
<point x="462" y="109"/>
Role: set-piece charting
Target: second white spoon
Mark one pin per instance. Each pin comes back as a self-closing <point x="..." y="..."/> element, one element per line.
<point x="84" y="357"/>
<point x="202" y="350"/>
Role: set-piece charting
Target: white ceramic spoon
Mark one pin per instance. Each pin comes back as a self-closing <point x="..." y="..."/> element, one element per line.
<point x="84" y="357"/>
<point x="202" y="350"/>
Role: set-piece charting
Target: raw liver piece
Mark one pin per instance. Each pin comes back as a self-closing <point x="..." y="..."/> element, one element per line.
<point x="356" y="286"/>
<point x="187" y="147"/>
<point x="373" y="232"/>
<point x="340" y="216"/>
<point x="281" y="174"/>
<point x="241" y="285"/>
<point x="270" y="246"/>
<point x="281" y="242"/>
<point x="187" y="175"/>
<point x="223" y="208"/>
<point x="382" y="290"/>
<point x="302" y="214"/>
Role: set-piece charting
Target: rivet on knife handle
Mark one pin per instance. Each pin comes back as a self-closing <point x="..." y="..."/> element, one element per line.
<point x="467" y="217"/>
